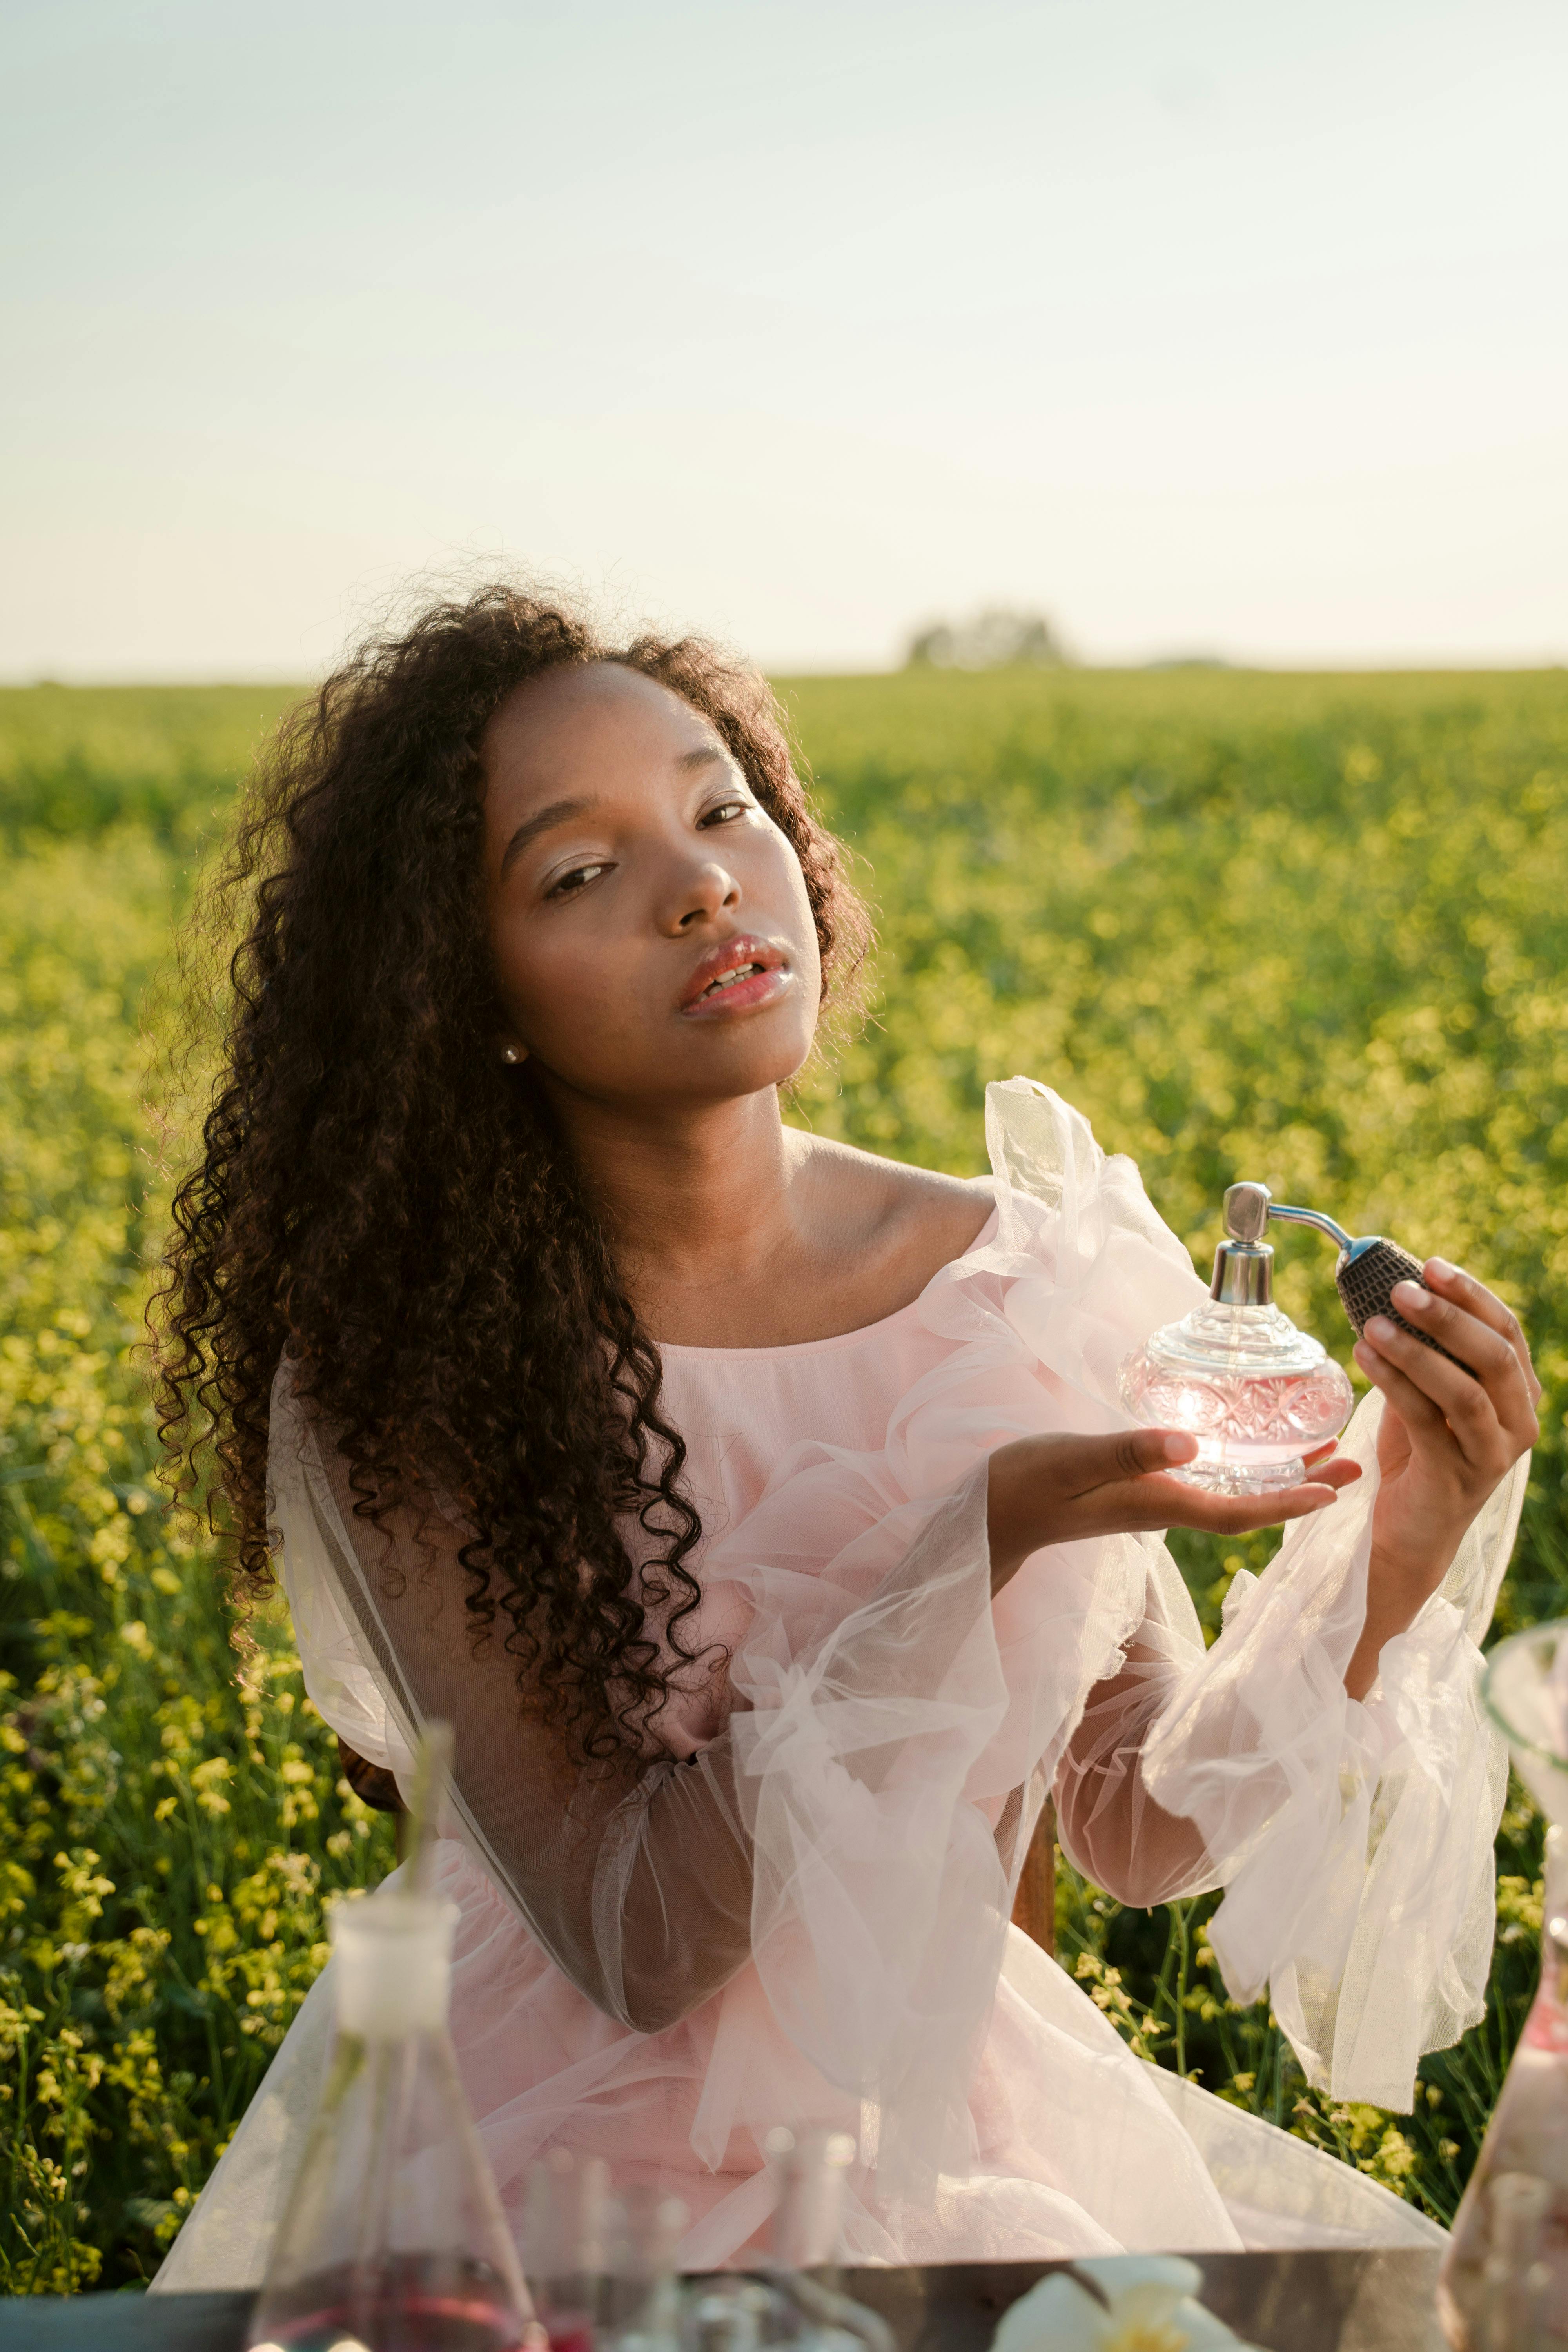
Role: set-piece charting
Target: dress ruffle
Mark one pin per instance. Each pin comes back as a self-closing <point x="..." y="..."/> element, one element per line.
<point x="897" y="1734"/>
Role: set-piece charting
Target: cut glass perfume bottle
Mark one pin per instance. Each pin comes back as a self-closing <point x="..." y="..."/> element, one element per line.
<point x="1504" y="2282"/>
<point x="1237" y="1374"/>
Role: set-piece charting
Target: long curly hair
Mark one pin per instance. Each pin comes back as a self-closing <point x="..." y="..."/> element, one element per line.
<point x="380" y="1199"/>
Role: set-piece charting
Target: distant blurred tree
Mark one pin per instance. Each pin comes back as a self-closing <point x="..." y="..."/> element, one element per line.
<point x="997" y="638"/>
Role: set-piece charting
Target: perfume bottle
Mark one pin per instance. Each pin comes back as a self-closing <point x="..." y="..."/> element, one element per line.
<point x="393" y="2239"/>
<point x="1504" y="2286"/>
<point x="1256" y="1393"/>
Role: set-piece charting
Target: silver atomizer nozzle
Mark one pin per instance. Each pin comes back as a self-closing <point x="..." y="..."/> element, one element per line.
<point x="1364" y="1275"/>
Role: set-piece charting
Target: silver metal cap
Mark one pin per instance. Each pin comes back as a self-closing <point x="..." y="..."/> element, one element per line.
<point x="1246" y="1210"/>
<point x="1243" y="1273"/>
<point x="1243" y="1266"/>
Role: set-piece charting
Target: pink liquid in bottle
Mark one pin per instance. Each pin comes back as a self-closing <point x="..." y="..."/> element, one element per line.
<point x="408" y="2306"/>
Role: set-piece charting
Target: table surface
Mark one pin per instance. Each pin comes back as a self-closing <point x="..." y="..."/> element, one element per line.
<point x="1374" y="2300"/>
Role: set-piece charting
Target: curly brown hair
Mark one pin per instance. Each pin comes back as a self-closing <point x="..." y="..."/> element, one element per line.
<point x="383" y="1201"/>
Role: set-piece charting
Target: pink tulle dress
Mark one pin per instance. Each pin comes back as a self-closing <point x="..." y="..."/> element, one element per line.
<point x="798" y="1911"/>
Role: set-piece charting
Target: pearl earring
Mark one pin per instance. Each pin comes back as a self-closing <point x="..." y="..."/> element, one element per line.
<point x="509" y="1053"/>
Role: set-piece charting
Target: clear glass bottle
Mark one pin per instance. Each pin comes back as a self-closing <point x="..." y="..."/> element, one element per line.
<point x="797" y="2305"/>
<point x="565" y="2225"/>
<point x="1237" y="1374"/>
<point x="1504" y="2282"/>
<point x="640" y="2310"/>
<point x="394" y="2238"/>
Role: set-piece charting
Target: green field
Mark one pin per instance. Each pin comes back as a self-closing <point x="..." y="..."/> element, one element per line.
<point x="1309" y="930"/>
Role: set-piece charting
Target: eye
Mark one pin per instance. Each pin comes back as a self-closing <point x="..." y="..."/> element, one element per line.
<point x="576" y="878"/>
<point x="724" y="812"/>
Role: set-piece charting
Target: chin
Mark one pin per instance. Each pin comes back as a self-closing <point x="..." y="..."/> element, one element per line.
<point x="751" y="1065"/>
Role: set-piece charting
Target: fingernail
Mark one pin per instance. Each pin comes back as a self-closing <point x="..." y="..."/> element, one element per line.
<point x="1178" y="1449"/>
<point x="1364" y="1355"/>
<point x="1411" y="1294"/>
<point x="1441" y="1270"/>
<point x="1380" y="1328"/>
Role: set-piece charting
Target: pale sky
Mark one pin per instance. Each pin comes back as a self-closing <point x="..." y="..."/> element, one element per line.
<point x="1228" y="327"/>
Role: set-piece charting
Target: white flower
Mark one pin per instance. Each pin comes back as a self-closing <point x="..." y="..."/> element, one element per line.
<point x="1149" y="2305"/>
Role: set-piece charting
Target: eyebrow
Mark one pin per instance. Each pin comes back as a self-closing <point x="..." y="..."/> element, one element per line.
<point x="562" y="812"/>
<point x="557" y="812"/>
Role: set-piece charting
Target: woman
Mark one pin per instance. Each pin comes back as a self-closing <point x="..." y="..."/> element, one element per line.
<point x="760" y="1513"/>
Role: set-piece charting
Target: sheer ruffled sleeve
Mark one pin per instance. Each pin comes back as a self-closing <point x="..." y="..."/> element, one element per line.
<point x="1354" y="1841"/>
<point x="590" y="1860"/>
<point x="813" y="1816"/>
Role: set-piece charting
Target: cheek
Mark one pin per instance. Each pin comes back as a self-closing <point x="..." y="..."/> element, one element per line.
<point x="810" y="957"/>
<point x="566" y="991"/>
<point x="789" y="884"/>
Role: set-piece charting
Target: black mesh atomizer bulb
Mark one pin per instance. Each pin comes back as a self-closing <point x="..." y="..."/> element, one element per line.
<point x="1367" y="1269"/>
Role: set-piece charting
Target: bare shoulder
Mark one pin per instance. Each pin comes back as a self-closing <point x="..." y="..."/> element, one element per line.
<point x="913" y="1220"/>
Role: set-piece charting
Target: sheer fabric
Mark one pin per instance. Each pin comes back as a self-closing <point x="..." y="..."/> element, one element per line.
<point x="799" y="1911"/>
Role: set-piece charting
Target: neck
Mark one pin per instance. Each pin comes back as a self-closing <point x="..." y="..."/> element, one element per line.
<point x="693" y="1196"/>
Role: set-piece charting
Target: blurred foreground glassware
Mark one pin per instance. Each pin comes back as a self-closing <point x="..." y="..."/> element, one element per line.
<point x="601" y="2267"/>
<point x="564" y="2224"/>
<point x="641" y="2303"/>
<point x="1256" y="1393"/>
<point x="394" y="2239"/>
<point x="1504" y="2282"/>
<point x="797" y="2302"/>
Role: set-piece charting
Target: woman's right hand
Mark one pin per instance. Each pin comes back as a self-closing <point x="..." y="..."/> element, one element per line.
<point x="1059" y="1489"/>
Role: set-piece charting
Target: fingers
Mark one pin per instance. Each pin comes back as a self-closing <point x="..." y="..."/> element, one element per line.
<point x="1236" y="1515"/>
<point x="1092" y="1462"/>
<point x="1060" y="1486"/>
<point x="1491" y="1418"/>
<point x="1474" y="1341"/>
<point x="1452" y="1286"/>
<point x="1096" y="1485"/>
<point x="1166" y="1502"/>
<point x="1415" y="1408"/>
<point x="1467" y="1407"/>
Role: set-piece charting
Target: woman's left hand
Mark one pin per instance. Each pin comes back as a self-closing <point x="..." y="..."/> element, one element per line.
<point x="1445" y="1442"/>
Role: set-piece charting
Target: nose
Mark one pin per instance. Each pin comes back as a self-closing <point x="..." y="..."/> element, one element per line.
<point x="695" y="896"/>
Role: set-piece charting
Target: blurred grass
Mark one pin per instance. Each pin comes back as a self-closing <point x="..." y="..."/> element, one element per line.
<point x="1307" y="930"/>
<point x="76" y="761"/>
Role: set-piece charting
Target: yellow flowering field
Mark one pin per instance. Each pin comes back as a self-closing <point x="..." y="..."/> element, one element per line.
<point x="171" y="1822"/>
<point x="1306" y="929"/>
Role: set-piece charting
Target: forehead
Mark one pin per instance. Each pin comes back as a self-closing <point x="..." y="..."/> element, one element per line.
<point x="584" y="731"/>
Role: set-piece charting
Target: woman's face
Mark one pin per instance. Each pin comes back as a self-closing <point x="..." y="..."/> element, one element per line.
<point x="652" y="937"/>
